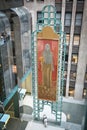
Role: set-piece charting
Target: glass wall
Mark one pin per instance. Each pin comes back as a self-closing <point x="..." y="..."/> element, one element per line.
<point x="6" y="58"/>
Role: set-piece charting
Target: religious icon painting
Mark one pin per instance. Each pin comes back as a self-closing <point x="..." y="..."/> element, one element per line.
<point x="47" y="63"/>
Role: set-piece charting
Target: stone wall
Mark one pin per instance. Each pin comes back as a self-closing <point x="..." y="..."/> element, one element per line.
<point x="74" y="110"/>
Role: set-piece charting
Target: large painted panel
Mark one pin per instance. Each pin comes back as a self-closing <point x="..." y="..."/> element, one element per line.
<point x="47" y="63"/>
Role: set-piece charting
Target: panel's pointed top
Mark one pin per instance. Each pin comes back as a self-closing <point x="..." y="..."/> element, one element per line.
<point x="48" y="33"/>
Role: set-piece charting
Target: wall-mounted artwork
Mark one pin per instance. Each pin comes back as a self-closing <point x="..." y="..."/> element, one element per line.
<point x="47" y="64"/>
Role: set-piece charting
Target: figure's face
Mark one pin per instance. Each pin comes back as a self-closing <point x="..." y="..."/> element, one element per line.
<point x="47" y="47"/>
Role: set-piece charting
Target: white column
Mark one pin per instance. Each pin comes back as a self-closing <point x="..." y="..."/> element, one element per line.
<point x="63" y="13"/>
<point x="70" y="46"/>
<point x="82" y="59"/>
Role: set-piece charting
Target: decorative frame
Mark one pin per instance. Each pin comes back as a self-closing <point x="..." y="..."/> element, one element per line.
<point x="44" y="32"/>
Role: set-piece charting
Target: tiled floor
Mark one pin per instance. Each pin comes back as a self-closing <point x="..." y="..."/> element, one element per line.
<point x="39" y="126"/>
<point x="16" y="124"/>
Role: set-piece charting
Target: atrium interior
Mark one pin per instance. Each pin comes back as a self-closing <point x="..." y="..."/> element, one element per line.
<point x="34" y="83"/>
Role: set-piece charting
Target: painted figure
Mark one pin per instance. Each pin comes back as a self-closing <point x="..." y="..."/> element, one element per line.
<point x="47" y="66"/>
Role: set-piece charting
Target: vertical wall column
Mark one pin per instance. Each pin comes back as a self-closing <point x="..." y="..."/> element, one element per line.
<point x="16" y="105"/>
<point x="18" y="48"/>
<point x="70" y="46"/>
<point x="63" y="13"/>
<point x="82" y="59"/>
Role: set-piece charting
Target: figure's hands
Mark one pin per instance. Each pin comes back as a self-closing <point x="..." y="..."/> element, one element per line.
<point x="41" y="59"/>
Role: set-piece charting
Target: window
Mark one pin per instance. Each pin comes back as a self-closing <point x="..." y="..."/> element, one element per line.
<point x="40" y="0"/>
<point x="65" y="74"/>
<point x="67" y="39"/>
<point x="39" y="17"/>
<point x="72" y="75"/>
<point x="80" y="0"/>
<point x="74" y="58"/>
<point x="69" y="0"/>
<point x="58" y="16"/>
<point x="68" y="19"/>
<point x="14" y="68"/>
<point x="86" y="76"/>
<point x="71" y="92"/>
<point x="78" y="19"/>
<point x="58" y="1"/>
<point x="29" y="0"/>
<point x="84" y="92"/>
<point x="66" y="57"/>
<point x="76" y="40"/>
